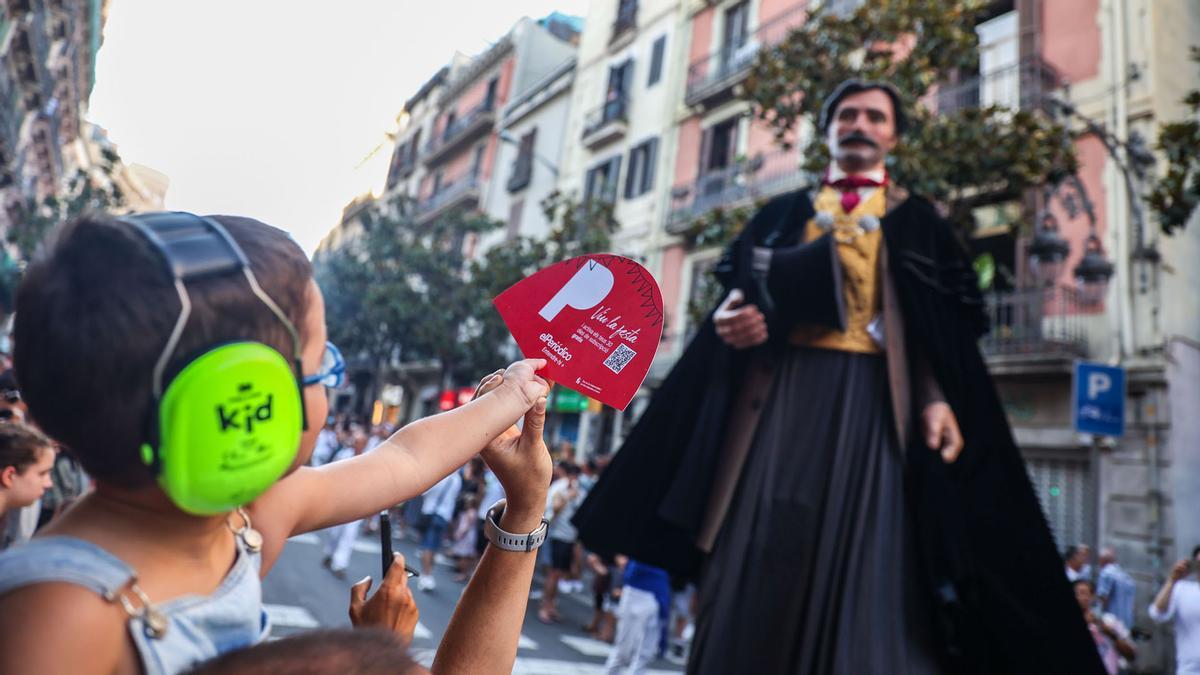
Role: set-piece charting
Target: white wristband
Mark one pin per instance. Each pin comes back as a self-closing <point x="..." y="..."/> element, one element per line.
<point x="507" y="541"/>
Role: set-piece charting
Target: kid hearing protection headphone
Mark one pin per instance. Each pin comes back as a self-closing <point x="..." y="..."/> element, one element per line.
<point x="227" y="425"/>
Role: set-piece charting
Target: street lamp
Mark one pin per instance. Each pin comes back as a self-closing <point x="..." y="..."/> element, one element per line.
<point x="1093" y="272"/>
<point x="1047" y="251"/>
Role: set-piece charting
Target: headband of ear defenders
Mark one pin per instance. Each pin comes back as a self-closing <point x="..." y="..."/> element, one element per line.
<point x="227" y="425"/>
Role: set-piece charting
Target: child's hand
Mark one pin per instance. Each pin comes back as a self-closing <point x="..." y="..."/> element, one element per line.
<point x="391" y="608"/>
<point x="521" y="378"/>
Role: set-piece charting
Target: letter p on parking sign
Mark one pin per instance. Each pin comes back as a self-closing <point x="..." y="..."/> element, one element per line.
<point x="1099" y="399"/>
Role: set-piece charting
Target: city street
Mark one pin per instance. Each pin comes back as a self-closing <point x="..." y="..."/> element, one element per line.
<point x="300" y="594"/>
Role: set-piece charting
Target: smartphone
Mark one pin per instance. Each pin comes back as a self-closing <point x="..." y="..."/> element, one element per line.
<point x="386" y="553"/>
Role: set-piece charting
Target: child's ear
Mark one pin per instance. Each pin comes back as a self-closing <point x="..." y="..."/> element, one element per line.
<point x="8" y="476"/>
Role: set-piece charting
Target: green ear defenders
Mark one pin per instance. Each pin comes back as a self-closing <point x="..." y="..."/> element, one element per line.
<point x="228" y="424"/>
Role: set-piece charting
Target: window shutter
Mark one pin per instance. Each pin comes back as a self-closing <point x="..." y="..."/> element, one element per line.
<point x="656" y="60"/>
<point x="635" y="156"/>
<point x="614" y="174"/>
<point x="705" y="148"/>
<point x="650" y="161"/>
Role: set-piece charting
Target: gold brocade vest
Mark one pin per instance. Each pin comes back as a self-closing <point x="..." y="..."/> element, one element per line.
<point x="858" y="253"/>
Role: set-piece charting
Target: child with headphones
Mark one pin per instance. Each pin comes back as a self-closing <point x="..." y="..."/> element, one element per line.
<point x="183" y="360"/>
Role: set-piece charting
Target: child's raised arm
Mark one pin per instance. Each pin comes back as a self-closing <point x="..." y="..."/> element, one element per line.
<point x="402" y="467"/>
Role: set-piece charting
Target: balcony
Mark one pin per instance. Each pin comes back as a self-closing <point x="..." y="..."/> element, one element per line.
<point x="711" y="80"/>
<point x="740" y="184"/>
<point x="625" y="23"/>
<point x="460" y="133"/>
<point x="1023" y="86"/>
<point x="462" y="193"/>
<point x="1045" y="325"/>
<point x="607" y="123"/>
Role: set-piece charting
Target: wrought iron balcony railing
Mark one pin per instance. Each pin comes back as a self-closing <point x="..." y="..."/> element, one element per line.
<point x="613" y="114"/>
<point x="711" y="77"/>
<point x="759" y="177"/>
<point x="461" y="192"/>
<point x="458" y="132"/>
<point x="1036" y="322"/>
<point x="1023" y="86"/>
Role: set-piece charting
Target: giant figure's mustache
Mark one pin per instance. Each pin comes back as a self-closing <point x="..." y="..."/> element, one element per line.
<point x="857" y="136"/>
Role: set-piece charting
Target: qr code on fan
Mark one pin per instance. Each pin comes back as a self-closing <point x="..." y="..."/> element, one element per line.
<point x="619" y="357"/>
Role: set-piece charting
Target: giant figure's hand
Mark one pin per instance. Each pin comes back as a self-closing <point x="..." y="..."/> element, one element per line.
<point x="738" y="324"/>
<point x="941" y="430"/>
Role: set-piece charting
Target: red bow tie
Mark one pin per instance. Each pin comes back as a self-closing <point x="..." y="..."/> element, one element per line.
<point x="849" y="186"/>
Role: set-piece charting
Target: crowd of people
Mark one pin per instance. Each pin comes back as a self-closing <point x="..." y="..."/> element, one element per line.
<point x="637" y="608"/>
<point x="1107" y="598"/>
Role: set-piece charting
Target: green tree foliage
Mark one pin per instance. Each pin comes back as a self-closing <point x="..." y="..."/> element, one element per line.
<point x="1177" y="193"/>
<point x="407" y="290"/>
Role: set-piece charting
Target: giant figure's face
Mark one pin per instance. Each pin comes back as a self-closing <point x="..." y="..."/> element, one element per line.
<point x="862" y="131"/>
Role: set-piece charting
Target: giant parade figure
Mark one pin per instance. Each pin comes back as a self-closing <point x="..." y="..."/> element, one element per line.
<point x="829" y="457"/>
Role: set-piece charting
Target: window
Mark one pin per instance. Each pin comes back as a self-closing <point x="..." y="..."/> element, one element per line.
<point x="449" y="125"/>
<point x="489" y="101"/>
<point x="639" y="179"/>
<point x="620" y="79"/>
<point x="437" y="183"/>
<point x="477" y="161"/>
<point x="844" y="8"/>
<point x="656" y="60"/>
<point x="626" y="15"/>
<point x="602" y="181"/>
<point x="522" y="168"/>
<point x="999" y="58"/>
<point x="737" y="20"/>
<point x="718" y="147"/>
<point x="515" y="210"/>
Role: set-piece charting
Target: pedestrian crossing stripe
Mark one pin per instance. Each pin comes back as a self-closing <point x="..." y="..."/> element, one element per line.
<point x="360" y="545"/>
<point x="587" y="646"/>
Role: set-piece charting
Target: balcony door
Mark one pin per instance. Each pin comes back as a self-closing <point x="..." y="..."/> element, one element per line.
<point x="620" y="83"/>
<point x="734" y="37"/>
<point x="718" y="148"/>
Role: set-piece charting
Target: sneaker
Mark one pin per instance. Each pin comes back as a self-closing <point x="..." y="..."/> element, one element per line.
<point x="426" y="583"/>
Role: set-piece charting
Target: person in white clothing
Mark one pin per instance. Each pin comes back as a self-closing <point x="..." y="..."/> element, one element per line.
<point x="339" y="540"/>
<point x="1179" y="600"/>
<point x="327" y="444"/>
<point x="437" y="509"/>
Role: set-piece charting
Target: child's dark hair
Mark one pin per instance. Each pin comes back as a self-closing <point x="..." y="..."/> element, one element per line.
<point x="366" y="651"/>
<point x="94" y="311"/>
<point x="21" y="446"/>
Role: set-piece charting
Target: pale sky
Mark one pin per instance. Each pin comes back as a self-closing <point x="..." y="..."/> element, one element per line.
<point x="265" y="108"/>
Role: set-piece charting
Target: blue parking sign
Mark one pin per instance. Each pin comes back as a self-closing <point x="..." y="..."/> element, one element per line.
<point x="1099" y="399"/>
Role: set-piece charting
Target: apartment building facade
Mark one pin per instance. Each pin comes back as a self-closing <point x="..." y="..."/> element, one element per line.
<point x="47" y="70"/>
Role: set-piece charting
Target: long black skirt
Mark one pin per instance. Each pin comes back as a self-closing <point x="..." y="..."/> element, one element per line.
<point x="812" y="570"/>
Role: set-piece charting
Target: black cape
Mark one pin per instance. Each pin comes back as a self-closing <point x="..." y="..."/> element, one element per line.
<point x="986" y="553"/>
